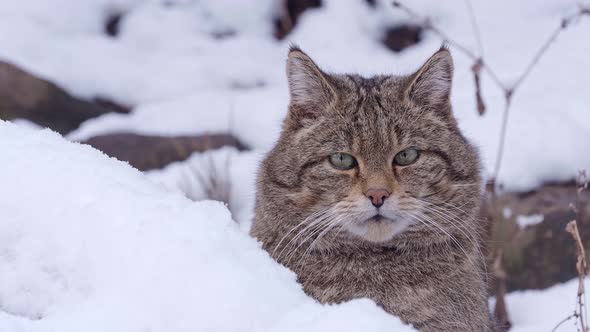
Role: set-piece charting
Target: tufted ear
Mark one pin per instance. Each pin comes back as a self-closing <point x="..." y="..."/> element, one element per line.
<point x="430" y="86"/>
<point x="310" y="88"/>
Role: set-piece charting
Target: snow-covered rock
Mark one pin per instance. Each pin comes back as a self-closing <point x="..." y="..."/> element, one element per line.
<point x="172" y="61"/>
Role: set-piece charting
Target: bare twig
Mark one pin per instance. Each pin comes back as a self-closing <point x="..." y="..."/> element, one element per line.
<point x="480" y="64"/>
<point x="503" y="128"/>
<point x="476" y="69"/>
<point x="475" y="27"/>
<point x="572" y="316"/>
<point x="565" y="23"/>
<point x="426" y="24"/>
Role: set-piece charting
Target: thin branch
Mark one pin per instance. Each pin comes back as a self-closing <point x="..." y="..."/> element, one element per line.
<point x="503" y="129"/>
<point x="565" y="23"/>
<point x="475" y="27"/>
<point x="476" y="69"/>
<point x="574" y="315"/>
<point x="426" y="24"/>
<point x="480" y="64"/>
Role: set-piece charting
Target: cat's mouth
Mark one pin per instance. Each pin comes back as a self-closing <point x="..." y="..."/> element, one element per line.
<point x="378" y="228"/>
<point x="379" y="218"/>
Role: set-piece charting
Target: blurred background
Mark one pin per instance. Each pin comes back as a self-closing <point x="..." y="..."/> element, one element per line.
<point x="193" y="92"/>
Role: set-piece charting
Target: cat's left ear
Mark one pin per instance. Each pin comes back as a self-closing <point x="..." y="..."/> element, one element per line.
<point x="430" y="86"/>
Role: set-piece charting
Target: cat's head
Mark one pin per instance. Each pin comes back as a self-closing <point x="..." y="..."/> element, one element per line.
<point x="375" y="160"/>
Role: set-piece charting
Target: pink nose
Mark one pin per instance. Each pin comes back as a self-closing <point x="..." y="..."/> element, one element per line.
<point x="377" y="196"/>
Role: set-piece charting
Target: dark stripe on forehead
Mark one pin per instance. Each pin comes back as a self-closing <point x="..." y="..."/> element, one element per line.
<point x="455" y="174"/>
<point x="373" y="84"/>
<point x="358" y="90"/>
<point x="367" y="84"/>
<point x="378" y="102"/>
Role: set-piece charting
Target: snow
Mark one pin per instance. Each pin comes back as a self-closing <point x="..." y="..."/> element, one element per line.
<point x="530" y="220"/>
<point x="87" y="243"/>
<point x="210" y="111"/>
<point x="506" y="212"/>
<point x="533" y="311"/>
<point x="206" y="60"/>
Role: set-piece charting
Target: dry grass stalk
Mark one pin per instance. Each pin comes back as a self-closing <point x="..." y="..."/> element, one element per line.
<point x="214" y="180"/>
<point x="580" y="314"/>
<point x="582" y="268"/>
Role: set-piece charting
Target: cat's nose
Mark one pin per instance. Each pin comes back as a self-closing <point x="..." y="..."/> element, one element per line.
<point x="377" y="196"/>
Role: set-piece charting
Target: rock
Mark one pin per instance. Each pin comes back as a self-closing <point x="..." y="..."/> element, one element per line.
<point x="290" y="12"/>
<point x="401" y="37"/>
<point x="541" y="254"/>
<point x="24" y="96"/>
<point x="112" y="105"/>
<point x="112" y="24"/>
<point x="154" y="152"/>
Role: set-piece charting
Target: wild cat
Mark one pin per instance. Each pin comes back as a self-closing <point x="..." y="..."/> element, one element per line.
<point x="372" y="191"/>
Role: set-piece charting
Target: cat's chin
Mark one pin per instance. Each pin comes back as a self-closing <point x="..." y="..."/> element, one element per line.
<point x="378" y="229"/>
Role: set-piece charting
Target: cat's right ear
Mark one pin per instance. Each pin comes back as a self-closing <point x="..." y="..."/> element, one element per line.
<point x="430" y="86"/>
<point x="310" y="89"/>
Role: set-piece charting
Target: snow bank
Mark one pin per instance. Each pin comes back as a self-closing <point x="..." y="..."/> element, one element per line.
<point x="88" y="243"/>
<point x="534" y="311"/>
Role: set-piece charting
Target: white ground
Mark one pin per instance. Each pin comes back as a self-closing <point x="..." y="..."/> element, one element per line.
<point x="183" y="80"/>
<point x="89" y="243"/>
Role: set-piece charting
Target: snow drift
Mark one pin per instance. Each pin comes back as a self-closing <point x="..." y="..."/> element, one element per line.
<point x="88" y="243"/>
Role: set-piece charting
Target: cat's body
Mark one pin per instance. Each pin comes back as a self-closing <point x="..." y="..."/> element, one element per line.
<point x="373" y="192"/>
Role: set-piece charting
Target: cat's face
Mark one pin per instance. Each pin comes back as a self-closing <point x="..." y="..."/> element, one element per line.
<point x="371" y="159"/>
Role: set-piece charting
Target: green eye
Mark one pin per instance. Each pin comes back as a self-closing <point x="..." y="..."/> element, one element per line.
<point x="406" y="157"/>
<point x="342" y="161"/>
